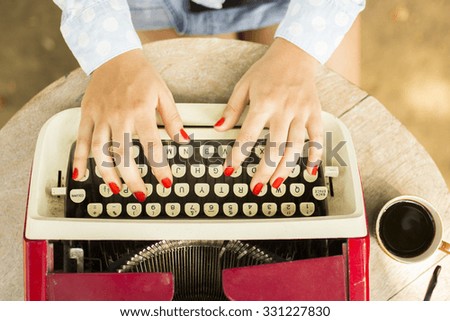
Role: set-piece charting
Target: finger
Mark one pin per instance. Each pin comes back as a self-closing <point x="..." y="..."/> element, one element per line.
<point x="153" y="149"/>
<point x="293" y="152"/>
<point x="100" y="150"/>
<point x="273" y="153"/>
<point x="235" y="106"/>
<point x="315" y="131"/>
<point x="82" y="148"/>
<point x="171" y="119"/>
<point x="126" y="164"/>
<point x="246" y="139"/>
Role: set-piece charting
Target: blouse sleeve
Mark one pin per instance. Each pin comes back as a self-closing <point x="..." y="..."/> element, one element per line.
<point x="97" y="30"/>
<point x="318" y="26"/>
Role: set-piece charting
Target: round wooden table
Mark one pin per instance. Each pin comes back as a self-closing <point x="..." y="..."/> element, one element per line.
<point x="391" y="160"/>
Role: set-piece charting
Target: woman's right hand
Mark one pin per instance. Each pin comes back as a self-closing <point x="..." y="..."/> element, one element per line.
<point x="121" y="100"/>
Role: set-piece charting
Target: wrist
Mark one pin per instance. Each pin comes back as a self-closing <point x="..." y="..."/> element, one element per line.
<point x="285" y="50"/>
<point x="123" y="60"/>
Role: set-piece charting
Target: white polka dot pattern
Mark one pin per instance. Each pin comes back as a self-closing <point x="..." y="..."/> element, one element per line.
<point x="318" y="26"/>
<point x="319" y="23"/>
<point x="97" y="31"/>
<point x="295" y="29"/>
<point x="295" y="9"/>
<point x="110" y="24"/>
<point x="88" y="15"/>
<point x="83" y="40"/>
<point x="103" y="48"/>
<point x="341" y="19"/>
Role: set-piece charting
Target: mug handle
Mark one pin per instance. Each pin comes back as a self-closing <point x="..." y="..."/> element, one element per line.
<point x="445" y="247"/>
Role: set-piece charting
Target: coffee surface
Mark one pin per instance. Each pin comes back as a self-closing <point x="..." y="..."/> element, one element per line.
<point x="407" y="229"/>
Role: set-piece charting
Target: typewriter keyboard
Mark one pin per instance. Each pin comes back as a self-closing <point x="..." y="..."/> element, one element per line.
<point x="199" y="190"/>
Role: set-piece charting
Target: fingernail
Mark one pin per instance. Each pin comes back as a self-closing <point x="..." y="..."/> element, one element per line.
<point x="114" y="188"/>
<point x="184" y="134"/>
<point x="257" y="189"/>
<point x="220" y="122"/>
<point x="167" y="183"/>
<point x="228" y="171"/>
<point x="314" y="170"/>
<point x="277" y="182"/>
<point x="75" y="173"/>
<point x="140" y="196"/>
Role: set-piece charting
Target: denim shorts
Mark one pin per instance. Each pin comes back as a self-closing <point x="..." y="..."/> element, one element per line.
<point x="175" y="14"/>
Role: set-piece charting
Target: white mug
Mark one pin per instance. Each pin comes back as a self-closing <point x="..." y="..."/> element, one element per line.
<point x="409" y="229"/>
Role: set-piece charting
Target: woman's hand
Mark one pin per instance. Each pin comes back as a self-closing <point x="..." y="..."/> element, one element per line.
<point x="281" y="91"/>
<point x="121" y="100"/>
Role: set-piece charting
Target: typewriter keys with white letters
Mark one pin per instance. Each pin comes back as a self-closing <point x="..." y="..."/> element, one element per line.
<point x="200" y="190"/>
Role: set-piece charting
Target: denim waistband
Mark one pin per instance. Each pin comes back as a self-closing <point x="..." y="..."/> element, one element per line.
<point x="164" y="14"/>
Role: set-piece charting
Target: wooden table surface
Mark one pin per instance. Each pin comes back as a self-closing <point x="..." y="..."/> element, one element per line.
<point x="391" y="161"/>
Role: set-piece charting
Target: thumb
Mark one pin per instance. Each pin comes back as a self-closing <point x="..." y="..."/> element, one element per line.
<point x="235" y="106"/>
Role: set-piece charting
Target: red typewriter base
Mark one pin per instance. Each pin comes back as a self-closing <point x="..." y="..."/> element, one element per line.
<point x="340" y="277"/>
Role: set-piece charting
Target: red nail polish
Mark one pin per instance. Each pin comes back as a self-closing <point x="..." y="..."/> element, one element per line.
<point x="114" y="188"/>
<point x="184" y="134"/>
<point x="75" y="173"/>
<point x="220" y="122"/>
<point x="257" y="189"/>
<point x="140" y="196"/>
<point x="277" y="182"/>
<point x="314" y="170"/>
<point x="228" y="171"/>
<point x="167" y="183"/>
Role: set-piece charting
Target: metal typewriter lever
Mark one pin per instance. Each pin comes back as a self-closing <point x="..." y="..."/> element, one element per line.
<point x="77" y="254"/>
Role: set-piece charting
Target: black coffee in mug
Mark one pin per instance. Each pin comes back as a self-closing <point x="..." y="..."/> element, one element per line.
<point x="407" y="229"/>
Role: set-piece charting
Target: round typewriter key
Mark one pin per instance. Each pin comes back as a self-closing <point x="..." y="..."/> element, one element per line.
<point x="230" y="209"/>
<point x="269" y="209"/>
<point x="192" y="209"/>
<point x="125" y="191"/>
<point x="215" y="170"/>
<point x="280" y="191"/>
<point x="134" y="209"/>
<point x="114" y="209"/>
<point x="181" y="189"/>
<point x="240" y="189"/>
<point x="95" y="209"/>
<point x="251" y="169"/>
<point x="153" y="209"/>
<point x="178" y="170"/>
<point x="211" y="209"/>
<point x="288" y="209"/>
<point x="409" y="229"/>
<point x="307" y="208"/>
<point x="308" y="177"/>
<point x="186" y="151"/>
<point x="297" y="189"/>
<point x="221" y="189"/>
<point x="295" y="171"/>
<point x="250" y="209"/>
<point x="173" y="209"/>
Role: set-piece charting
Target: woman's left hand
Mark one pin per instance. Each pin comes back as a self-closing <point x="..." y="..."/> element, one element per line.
<point x="281" y="92"/>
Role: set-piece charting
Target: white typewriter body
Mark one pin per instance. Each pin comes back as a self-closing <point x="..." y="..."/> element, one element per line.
<point x="45" y="213"/>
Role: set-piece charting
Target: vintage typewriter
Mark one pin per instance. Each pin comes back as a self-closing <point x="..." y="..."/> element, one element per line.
<point x="205" y="238"/>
